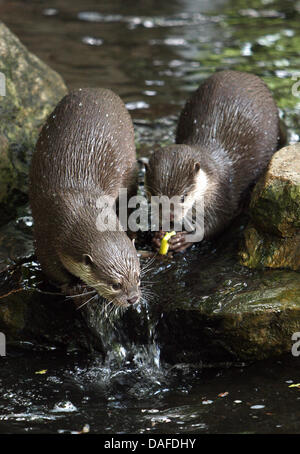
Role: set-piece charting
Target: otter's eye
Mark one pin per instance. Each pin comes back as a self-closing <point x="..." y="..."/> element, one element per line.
<point x="182" y="198"/>
<point x="87" y="260"/>
<point x="116" y="286"/>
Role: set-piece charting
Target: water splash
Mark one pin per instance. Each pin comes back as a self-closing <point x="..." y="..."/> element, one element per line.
<point x="132" y="362"/>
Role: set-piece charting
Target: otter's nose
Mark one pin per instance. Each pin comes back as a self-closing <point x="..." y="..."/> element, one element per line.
<point x="133" y="299"/>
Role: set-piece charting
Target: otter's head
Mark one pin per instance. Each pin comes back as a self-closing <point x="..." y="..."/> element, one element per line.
<point x="175" y="172"/>
<point x="106" y="261"/>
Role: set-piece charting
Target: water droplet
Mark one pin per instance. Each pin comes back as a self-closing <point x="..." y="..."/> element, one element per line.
<point x="50" y="12"/>
<point x="92" y="41"/>
<point x="64" y="406"/>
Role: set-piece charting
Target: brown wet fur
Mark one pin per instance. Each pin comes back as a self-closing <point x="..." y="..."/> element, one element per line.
<point x="230" y="125"/>
<point x="85" y="150"/>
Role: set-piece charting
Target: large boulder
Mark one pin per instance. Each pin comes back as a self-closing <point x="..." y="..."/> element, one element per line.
<point x="31" y="90"/>
<point x="272" y="238"/>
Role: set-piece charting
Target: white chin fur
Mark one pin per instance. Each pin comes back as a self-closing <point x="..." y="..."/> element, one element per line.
<point x="201" y="183"/>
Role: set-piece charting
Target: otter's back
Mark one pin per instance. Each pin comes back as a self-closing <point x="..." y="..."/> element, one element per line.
<point x="234" y="110"/>
<point x="87" y="142"/>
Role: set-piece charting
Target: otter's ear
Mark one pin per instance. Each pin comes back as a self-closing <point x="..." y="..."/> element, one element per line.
<point x="145" y="162"/>
<point x="87" y="260"/>
<point x="196" y="167"/>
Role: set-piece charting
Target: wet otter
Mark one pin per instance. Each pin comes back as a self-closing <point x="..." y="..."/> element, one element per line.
<point x="85" y="151"/>
<point x="226" y="135"/>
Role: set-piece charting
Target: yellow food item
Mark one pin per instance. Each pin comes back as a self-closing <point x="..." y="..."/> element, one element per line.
<point x="164" y="246"/>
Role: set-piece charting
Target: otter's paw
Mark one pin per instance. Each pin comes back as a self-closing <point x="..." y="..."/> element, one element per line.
<point x="156" y="240"/>
<point x="178" y="242"/>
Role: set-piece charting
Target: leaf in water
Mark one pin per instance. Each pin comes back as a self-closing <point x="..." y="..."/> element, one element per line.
<point x="223" y="394"/>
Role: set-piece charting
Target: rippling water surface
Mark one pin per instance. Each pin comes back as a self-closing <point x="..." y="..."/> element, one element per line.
<point x="152" y="53"/>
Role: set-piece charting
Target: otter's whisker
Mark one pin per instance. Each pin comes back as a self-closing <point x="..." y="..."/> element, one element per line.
<point x="106" y="309"/>
<point x="147" y="283"/>
<point x="146" y="271"/>
<point x="147" y="298"/>
<point x="150" y="261"/>
<point x="150" y="295"/>
<point x="48" y="293"/>
<point x="113" y="309"/>
<point x="81" y="294"/>
<point x="83" y="304"/>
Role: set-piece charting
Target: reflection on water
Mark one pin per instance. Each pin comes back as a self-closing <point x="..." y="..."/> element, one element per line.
<point x="152" y="53"/>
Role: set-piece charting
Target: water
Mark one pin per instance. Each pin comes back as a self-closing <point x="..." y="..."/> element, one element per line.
<point x="78" y="390"/>
<point x="152" y="54"/>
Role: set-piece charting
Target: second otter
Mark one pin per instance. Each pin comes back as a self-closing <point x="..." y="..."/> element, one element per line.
<point x="226" y="135"/>
<point x="85" y="151"/>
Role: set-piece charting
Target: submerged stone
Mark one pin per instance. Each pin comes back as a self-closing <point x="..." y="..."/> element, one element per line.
<point x="272" y="238"/>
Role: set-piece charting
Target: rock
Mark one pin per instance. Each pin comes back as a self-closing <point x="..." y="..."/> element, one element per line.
<point x="32" y="90"/>
<point x="208" y="308"/>
<point x="213" y="311"/>
<point x="237" y="325"/>
<point x="272" y="238"/>
<point x="43" y="317"/>
<point x="262" y="249"/>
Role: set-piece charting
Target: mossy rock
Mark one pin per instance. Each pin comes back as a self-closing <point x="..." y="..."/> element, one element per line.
<point x="234" y="322"/>
<point x="275" y="202"/>
<point x="266" y="250"/>
<point x="272" y="238"/>
<point x="32" y="90"/>
<point x="248" y="325"/>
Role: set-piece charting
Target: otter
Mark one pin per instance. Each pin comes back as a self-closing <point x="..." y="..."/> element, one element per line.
<point x="226" y="135"/>
<point x="85" y="151"/>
